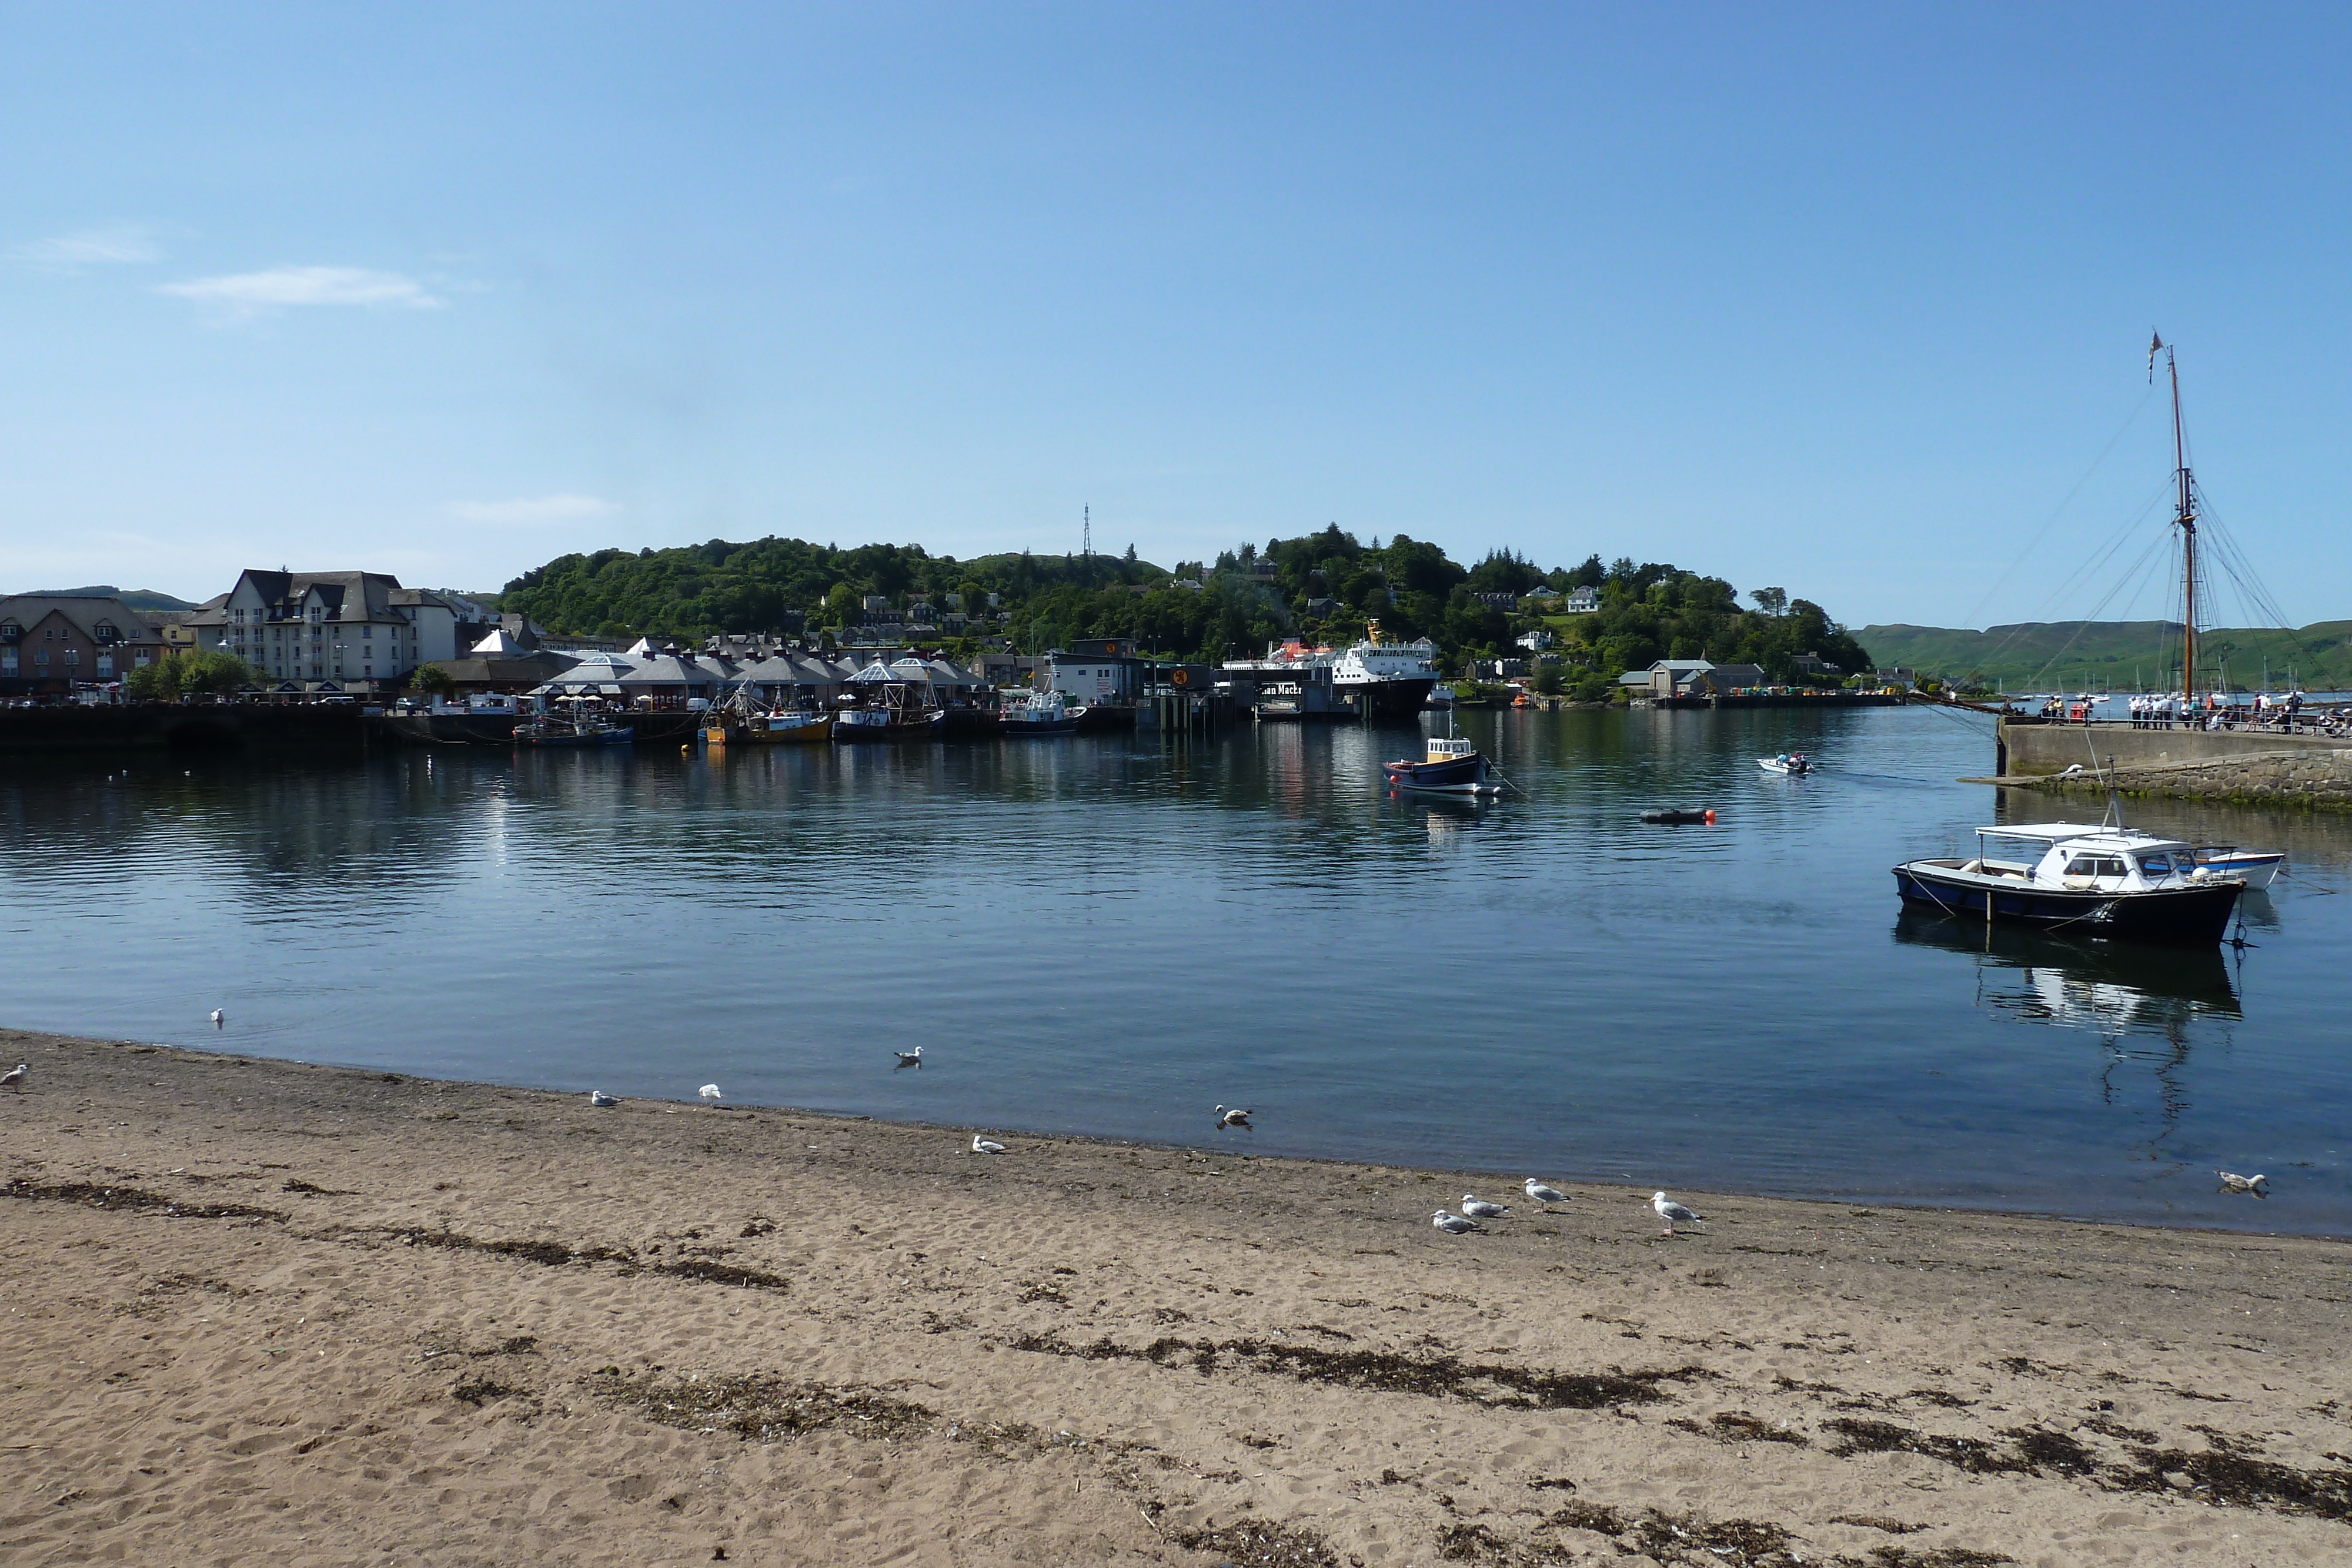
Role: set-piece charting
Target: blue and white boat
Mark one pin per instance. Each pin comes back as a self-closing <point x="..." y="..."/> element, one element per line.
<point x="1451" y="766"/>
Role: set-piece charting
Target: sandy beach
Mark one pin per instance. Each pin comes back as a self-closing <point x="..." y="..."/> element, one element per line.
<point x="262" y="1311"/>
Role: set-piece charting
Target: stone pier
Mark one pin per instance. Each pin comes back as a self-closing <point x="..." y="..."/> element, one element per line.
<point x="2184" y="763"/>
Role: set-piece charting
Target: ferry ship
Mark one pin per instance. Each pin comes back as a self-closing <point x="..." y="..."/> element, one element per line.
<point x="1377" y="676"/>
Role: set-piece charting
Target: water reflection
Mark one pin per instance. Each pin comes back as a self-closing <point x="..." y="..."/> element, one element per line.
<point x="2108" y="987"/>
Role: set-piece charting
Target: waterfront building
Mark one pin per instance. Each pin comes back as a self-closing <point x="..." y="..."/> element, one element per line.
<point x="355" y="631"/>
<point x="52" y="643"/>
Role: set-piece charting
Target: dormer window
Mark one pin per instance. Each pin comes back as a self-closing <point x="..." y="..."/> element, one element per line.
<point x="105" y="631"/>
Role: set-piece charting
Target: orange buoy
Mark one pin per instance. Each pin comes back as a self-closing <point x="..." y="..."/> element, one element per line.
<point x="1710" y="816"/>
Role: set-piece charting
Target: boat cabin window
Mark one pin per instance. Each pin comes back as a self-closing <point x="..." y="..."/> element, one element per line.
<point x="2156" y="864"/>
<point x="2094" y="865"/>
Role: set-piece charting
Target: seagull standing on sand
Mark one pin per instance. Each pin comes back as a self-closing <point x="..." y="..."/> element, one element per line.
<point x="219" y="1018"/>
<point x="603" y="1100"/>
<point x="708" y="1092"/>
<point x="1538" y="1193"/>
<point x="908" y="1057"/>
<point x="1669" y="1210"/>
<point x="15" y="1077"/>
<point x="1454" y="1224"/>
<point x="1234" y="1118"/>
<point x="1479" y="1208"/>
<point x="980" y="1146"/>
<point x="2231" y="1180"/>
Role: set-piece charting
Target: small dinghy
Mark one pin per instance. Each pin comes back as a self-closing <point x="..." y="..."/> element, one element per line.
<point x="2259" y="867"/>
<point x="1789" y="764"/>
<point x="1678" y="817"/>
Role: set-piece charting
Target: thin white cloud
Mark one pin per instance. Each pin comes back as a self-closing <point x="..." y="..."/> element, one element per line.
<point x="282" y="286"/>
<point x="535" y="509"/>
<point x="92" y="248"/>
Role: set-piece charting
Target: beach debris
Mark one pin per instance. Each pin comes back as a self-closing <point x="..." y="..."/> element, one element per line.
<point x="1538" y="1193"/>
<point x="15" y="1077"/>
<point x="2260" y="1186"/>
<point x="1454" y="1224"/>
<point x="908" y="1057"/>
<point x="219" y="1018"/>
<point x="1234" y="1118"/>
<point x="1669" y="1210"/>
<point x="708" y="1092"/>
<point x="980" y="1146"/>
<point x="1479" y="1208"/>
<point x="601" y="1100"/>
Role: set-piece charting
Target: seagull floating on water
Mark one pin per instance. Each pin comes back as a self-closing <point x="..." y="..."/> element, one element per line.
<point x="908" y="1057"/>
<point x="980" y="1146"/>
<point x="1234" y="1118"/>
<point x="15" y="1077"/>
<point x="1669" y="1210"/>
<point x="2231" y="1180"/>
<point x="1479" y="1208"/>
<point x="1538" y="1193"/>
<point x="1454" y="1224"/>
<point x="597" y="1097"/>
<point x="219" y="1018"/>
<point x="708" y="1092"/>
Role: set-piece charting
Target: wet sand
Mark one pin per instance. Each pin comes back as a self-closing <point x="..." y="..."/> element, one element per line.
<point x="263" y="1312"/>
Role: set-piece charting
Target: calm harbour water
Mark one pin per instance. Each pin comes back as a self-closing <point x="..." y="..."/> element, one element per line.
<point x="1094" y="936"/>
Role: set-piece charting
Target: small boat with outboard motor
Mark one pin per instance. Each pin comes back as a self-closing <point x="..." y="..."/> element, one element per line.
<point x="1679" y="815"/>
<point x="2103" y="880"/>
<point x="2259" y="867"/>
<point x="1788" y="764"/>
<point x="1451" y="765"/>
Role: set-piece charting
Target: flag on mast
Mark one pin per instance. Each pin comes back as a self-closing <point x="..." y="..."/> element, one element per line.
<point x="2154" y="347"/>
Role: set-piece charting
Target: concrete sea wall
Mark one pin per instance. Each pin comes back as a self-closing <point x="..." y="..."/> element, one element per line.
<point x="2185" y="764"/>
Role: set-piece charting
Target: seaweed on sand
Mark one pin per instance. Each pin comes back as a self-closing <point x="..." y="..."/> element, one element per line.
<point x="135" y="1200"/>
<point x="1435" y="1377"/>
<point x="763" y="1409"/>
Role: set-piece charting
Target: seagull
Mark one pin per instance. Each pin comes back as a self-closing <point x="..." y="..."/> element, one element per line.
<point x="2231" y="1180"/>
<point x="908" y="1057"/>
<point x="1234" y="1118"/>
<point x="15" y="1077"/>
<point x="1479" y="1208"/>
<point x="219" y="1018"/>
<point x="1670" y="1211"/>
<point x="1538" y="1193"/>
<point x="708" y="1092"/>
<point x="980" y="1146"/>
<point x="603" y="1100"/>
<point x="1454" y="1224"/>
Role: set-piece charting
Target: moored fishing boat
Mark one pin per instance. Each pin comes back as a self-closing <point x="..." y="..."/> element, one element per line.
<point x="2089" y="881"/>
<point x="574" y="729"/>
<point x="1450" y="766"/>
<point x="1038" y="713"/>
<point x="744" y="722"/>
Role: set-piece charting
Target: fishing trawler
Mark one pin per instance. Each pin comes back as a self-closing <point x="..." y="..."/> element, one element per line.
<point x="1450" y="765"/>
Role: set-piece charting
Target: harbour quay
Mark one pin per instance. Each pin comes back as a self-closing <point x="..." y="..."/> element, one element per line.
<point x="2228" y="764"/>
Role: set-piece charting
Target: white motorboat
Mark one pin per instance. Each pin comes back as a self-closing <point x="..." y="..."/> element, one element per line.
<point x="2091" y="880"/>
<point x="1789" y="764"/>
<point x="2259" y="867"/>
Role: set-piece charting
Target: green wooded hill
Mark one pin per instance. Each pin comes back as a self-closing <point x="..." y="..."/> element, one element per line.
<point x="2122" y="655"/>
<point x="1324" y="587"/>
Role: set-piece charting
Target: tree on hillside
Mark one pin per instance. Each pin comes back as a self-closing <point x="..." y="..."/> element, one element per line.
<point x="1772" y="601"/>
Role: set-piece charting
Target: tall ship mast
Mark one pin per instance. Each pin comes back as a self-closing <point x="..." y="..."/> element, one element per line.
<point x="2184" y="517"/>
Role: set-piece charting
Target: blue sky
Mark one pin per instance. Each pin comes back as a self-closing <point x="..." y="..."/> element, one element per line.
<point x="1843" y="299"/>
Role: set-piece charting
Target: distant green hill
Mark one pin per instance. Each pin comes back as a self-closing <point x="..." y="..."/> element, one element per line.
<point x="2117" y="653"/>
